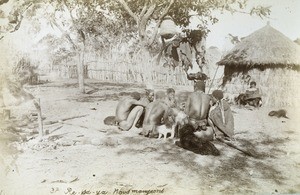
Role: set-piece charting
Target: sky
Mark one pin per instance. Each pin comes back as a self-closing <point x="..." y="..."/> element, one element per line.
<point x="285" y="17"/>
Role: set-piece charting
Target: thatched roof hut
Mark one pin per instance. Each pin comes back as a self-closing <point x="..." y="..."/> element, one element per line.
<point x="266" y="46"/>
<point x="268" y="57"/>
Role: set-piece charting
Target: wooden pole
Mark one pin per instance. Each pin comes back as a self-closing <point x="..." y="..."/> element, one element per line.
<point x="37" y="105"/>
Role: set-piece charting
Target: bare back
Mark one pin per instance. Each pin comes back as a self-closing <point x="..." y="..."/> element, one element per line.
<point x="155" y="112"/>
<point x="123" y="108"/>
<point x="197" y="105"/>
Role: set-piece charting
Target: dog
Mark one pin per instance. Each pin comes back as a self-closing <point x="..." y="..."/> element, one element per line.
<point x="279" y="113"/>
<point x="163" y="130"/>
<point x="189" y="141"/>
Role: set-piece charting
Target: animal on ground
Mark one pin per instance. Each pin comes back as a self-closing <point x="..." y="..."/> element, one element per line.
<point x="163" y="130"/>
<point x="189" y="141"/>
<point x="279" y="113"/>
<point x="110" y="120"/>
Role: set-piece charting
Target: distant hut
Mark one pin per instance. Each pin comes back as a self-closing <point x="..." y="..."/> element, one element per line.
<point x="269" y="58"/>
<point x="297" y="41"/>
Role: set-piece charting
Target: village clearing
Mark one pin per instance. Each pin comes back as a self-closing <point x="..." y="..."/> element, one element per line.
<point x="84" y="156"/>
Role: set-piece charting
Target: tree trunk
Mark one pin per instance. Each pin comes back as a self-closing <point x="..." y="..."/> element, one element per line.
<point x="142" y="32"/>
<point x="80" y="70"/>
<point x="200" y="53"/>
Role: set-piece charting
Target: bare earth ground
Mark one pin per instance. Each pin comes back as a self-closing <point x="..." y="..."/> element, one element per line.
<point x="84" y="156"/>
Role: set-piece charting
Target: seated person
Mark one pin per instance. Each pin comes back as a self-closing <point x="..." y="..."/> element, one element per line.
<point x="253" y="95"/>
<point x="197" y="107"/>
<point x="220" y="116"/>
<point x="189" y="141"/>
<point x="129" y="110"/>
<point x="149" y="97"/>
<point x="157" y="112"/>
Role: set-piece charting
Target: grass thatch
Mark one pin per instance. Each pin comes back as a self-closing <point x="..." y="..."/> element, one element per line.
<point x="279" y="86"/>
<point x="266" y="46"/>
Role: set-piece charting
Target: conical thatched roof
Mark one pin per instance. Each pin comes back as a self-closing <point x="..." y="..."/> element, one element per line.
<point x="266" y="46"/>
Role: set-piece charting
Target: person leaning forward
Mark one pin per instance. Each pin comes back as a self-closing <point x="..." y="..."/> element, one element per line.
<point x="220" y="116"/>
<point x="129" y="110"/>
<point x="197" y="108"/>
<point x="156" y="113"/>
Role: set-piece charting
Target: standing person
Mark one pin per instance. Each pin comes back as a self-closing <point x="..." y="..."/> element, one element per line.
<point x="157" y="112"/>
<point x="129" y="110"/>
<point x="197" y="108"/>
<point x="220" y="116"/>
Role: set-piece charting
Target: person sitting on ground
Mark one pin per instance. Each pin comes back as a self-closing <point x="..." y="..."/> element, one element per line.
<point x="156" y="113"/>
<point x="220" y="116"/>
<point x="197" y="107"/>
<point x="253" y="95"/>
<point x="189" y="141"/>
<point x="129" y="110"/>
<point x="148" y="98"/>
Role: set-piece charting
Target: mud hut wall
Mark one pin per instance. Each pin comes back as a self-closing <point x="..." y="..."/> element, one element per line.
<point x="279" y="86"/>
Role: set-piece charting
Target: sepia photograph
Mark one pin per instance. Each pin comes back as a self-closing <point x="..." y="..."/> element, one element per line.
<point x="149" y="97"/>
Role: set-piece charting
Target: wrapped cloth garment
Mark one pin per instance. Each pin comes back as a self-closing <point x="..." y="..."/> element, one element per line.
<point x="189" y="141"/>
<point x="252" y="93"/>
<point x="222" y="118"/>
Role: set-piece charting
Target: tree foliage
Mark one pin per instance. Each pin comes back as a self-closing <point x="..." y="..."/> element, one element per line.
<point x="140" y="11"/>
<point x="97" y="24"/>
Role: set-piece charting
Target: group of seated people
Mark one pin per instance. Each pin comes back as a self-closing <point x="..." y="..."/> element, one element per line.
<point x="207" y="117"/>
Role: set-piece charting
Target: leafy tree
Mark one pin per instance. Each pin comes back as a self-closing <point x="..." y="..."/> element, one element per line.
<point x="80" y="22"/>
<point x="141" y="12"/>
<point x="84" y="21"/>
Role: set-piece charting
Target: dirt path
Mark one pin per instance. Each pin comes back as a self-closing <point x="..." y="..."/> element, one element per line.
<point x="77" y="157"/>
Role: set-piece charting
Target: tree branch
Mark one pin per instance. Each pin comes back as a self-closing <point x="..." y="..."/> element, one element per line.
<point x="3" y="1"/>
<point x="160" y="19"/>
<point x="79" y="30"/>
<point x="64" y="33"/>
<point x="149" y="12"/>
<point x="165" y="12"/>
<point x="21" y="19"/>
<point x="143" y="10"/>
<point x="129" y="11"/>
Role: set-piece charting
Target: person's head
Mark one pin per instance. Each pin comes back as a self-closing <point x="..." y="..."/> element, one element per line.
<point x="136" y="95"/>
<point x="181" y="118"/>
<point x="252" y="84"/>
<point x="150" y="94"/>
<point x="171" y="97"/>
<point x="199" y="86"/>
<point x="217" y="95"/>
<point x="170" y="93"/>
